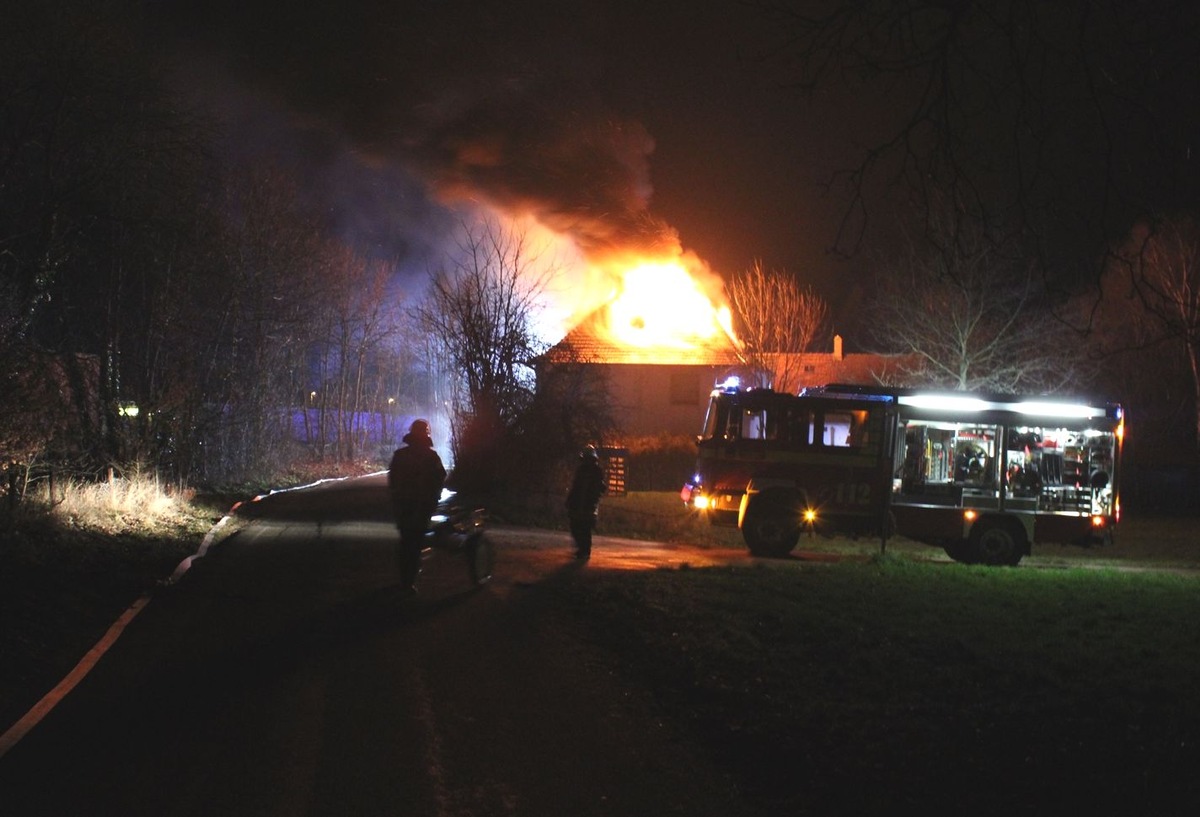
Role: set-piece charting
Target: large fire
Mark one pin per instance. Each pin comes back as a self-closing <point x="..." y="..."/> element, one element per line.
<point x="667" y="300"/>
<point x="663" y="304"/>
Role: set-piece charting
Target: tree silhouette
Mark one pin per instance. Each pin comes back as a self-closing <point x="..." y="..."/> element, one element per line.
<point x="1063" y="121"/>
<point x="480" y="311"/>
<point x="773" y="314"/>
<point x="1151" y="306"/>
<point x="972" y="317"/>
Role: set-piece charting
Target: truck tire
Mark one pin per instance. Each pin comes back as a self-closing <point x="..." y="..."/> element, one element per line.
<point x="997" y="543"/>
<point x="771" y="527"/>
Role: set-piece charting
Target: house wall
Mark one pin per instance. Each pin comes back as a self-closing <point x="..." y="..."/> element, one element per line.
<point x="661" y="399"/>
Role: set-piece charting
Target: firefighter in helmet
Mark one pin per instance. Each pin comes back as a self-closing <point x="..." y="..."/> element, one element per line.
<point x="583" y="500"/>
<point x="415" y="479"/>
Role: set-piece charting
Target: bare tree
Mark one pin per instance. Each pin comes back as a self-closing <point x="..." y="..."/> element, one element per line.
<point x="775" y="316"/>
<point x="973" y="318"/>
<point x="1151" y="301"/>
<point x="573" y="405"/>
<point x="1068" y="120"/>
<point x="249" y="351"/>
<point x="480" y="311"/>
<point x="101" y="170"/>
<point x="353" y="338"/>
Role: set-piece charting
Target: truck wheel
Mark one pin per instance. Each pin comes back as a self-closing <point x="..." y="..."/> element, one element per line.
<point x="481" y="559"/>
<point x="771" y="528"/>
<point x="994" y="543"/>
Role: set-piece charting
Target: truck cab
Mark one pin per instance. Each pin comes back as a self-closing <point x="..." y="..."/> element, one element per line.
<point x="774" y="464"/>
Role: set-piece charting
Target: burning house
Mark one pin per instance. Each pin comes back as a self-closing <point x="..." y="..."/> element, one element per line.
<point x="656" y="389"/>
<point x="663" y="387"/>
<point x="663" y="336"/>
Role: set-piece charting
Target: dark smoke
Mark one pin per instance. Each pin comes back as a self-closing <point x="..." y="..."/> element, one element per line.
<point x="399" y="118"/>
<point x="582" y="174"/>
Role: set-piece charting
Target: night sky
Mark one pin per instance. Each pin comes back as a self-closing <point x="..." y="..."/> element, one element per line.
<point x="620" y="122"/>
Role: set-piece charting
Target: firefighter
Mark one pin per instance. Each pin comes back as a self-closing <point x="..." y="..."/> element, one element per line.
<point x="583" y="500"/>
<point x="415" y="479"/>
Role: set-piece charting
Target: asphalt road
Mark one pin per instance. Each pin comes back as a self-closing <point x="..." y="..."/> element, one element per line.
<point x="285" y="674"/>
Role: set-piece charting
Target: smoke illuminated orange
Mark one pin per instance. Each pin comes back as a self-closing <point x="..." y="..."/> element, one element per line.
<point x="661" y="304"/>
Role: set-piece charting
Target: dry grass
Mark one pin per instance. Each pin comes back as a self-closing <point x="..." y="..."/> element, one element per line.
<point x="71" y="562"/>
<point x="113" y="506"/>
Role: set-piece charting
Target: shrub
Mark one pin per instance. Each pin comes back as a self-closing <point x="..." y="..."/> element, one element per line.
<point x="661" y="462"/>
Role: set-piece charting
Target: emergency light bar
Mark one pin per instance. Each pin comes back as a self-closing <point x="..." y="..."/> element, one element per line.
<point x="943" y="402"/>
<point x="1059" y="409"/>
<point x="947" y="402"/>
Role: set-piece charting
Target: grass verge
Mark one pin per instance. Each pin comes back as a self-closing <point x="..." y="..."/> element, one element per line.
<point x="871" y="686"/>
<point x="70" y="567"/>
<point x="876" y="687"/>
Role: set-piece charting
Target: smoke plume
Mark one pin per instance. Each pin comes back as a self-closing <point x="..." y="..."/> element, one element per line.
<point x="403" y="120"/>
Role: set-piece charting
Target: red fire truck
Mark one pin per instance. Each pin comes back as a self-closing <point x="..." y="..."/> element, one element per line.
<point x="983" y="476"/>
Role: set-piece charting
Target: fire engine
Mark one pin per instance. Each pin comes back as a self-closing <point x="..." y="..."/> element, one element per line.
<point x="982" y="476"/>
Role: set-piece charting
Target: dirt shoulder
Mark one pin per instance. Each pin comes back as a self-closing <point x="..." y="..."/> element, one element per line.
<point x="62" y="588"/>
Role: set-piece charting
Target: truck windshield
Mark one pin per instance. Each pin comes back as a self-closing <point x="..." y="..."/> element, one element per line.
<point x="790" y="421"/>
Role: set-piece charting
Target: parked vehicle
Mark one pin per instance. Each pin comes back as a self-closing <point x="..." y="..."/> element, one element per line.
<point x="460" y="528"/>
<point x="983" y="476"/>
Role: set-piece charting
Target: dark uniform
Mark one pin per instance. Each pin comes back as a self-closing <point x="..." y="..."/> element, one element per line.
<point x="415" y="479"/>
<point x="583" y="501"/>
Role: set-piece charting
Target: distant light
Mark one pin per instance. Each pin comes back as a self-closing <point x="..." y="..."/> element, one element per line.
<point x="969" y="515"/>
<point x="127" y="410"/>
<point x="810" y="515"/>
<point x="1097" y="521"/>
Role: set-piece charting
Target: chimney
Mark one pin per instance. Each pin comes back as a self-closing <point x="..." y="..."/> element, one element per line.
<point x="837" y="347"/>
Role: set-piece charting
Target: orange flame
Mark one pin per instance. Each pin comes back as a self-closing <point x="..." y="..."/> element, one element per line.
<point x="663" y="304"/>
<point x="668" y="299"/>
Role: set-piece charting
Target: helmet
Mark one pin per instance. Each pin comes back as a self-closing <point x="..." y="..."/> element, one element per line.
<point x="589" y="453"/>
<point x="419" y="428"/>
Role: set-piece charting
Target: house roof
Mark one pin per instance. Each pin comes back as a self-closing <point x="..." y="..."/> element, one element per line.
<point x="821" y="368"/>
<point x="588" y="342"/>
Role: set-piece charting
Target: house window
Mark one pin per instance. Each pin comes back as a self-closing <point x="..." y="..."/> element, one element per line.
<point x="684" y="391"/>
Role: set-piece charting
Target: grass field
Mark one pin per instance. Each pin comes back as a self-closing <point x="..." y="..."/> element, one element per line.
<point x="1155" y="541"/>
<point x="895" y="682"/>
<point x="879" y="684"/>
